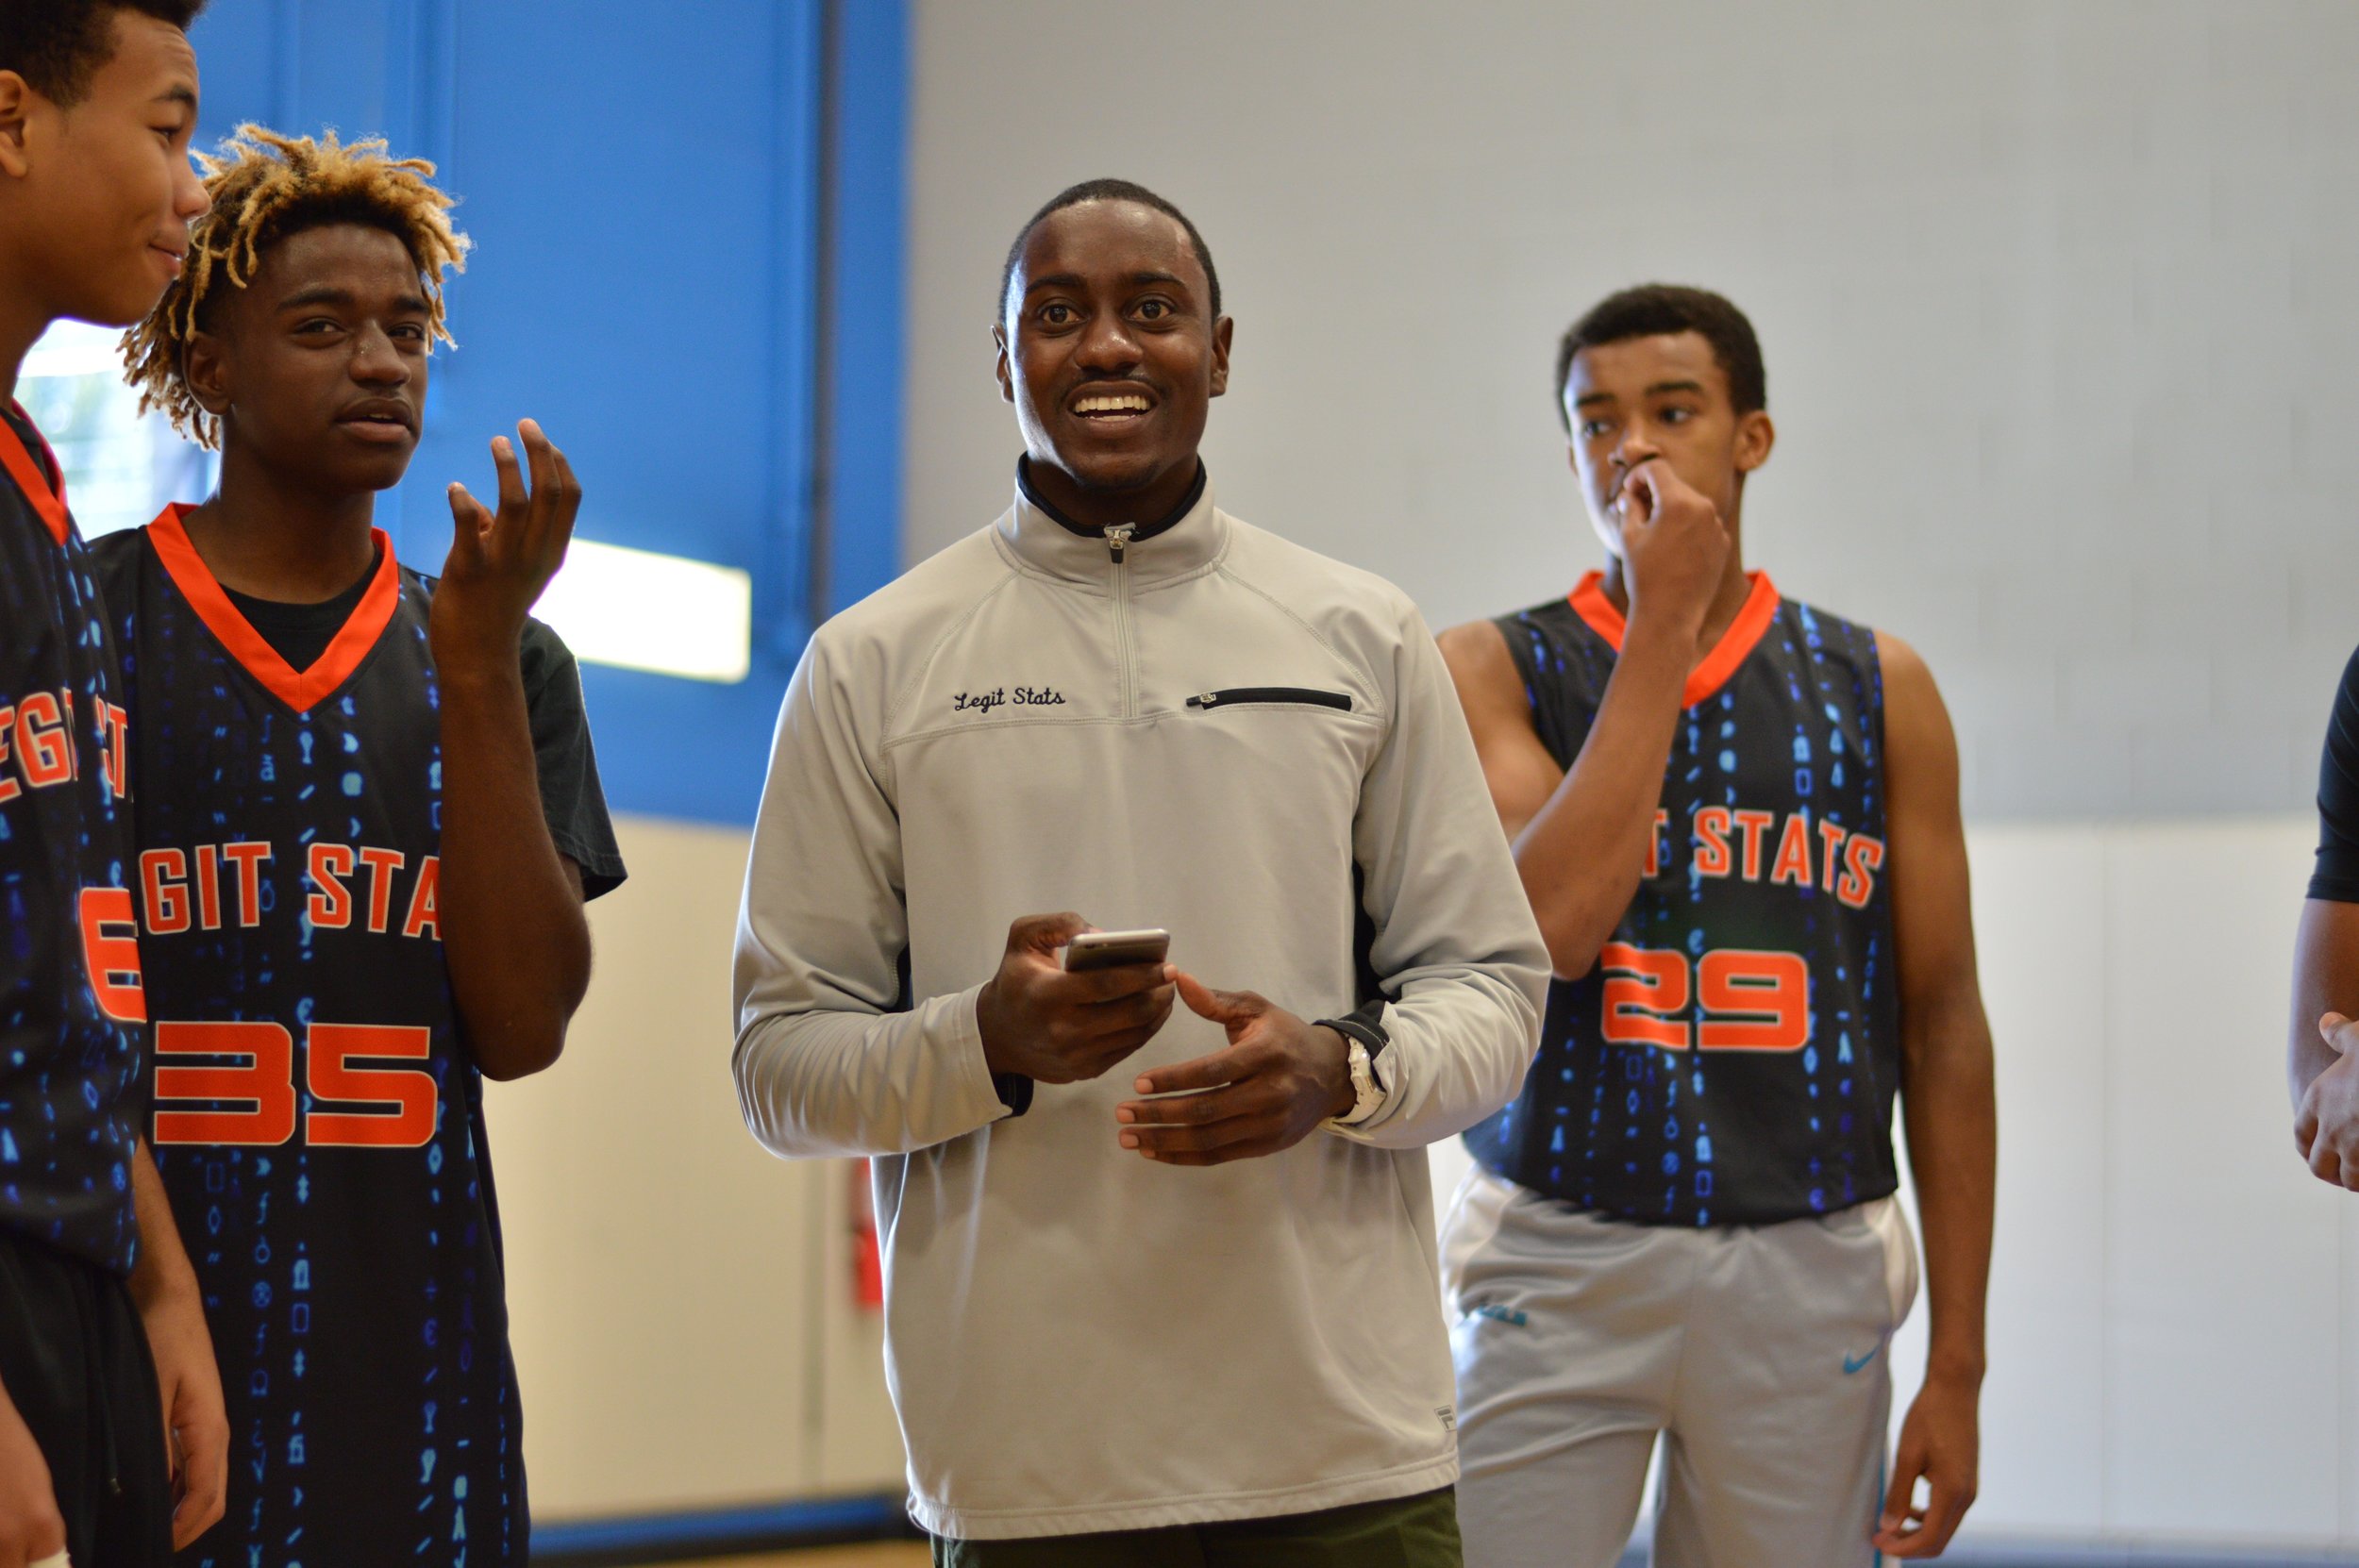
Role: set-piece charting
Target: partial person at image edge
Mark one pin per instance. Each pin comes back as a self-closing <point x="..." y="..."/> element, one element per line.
<point x="2322" y="1038"/>
<point x="1204" y="1323"/>
<point x="114" y="1444"/>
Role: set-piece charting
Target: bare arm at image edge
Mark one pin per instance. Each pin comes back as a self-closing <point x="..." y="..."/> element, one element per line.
<point x="2320" y="1073"/>
<point x="2322" y="1041"/>
<point x="1456" y="948"/>
<point x="824" y="1065"/>
<point x="1948" y="1098"/>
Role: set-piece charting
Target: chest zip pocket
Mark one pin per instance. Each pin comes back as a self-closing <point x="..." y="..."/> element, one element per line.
<point x="1305" y="697"/>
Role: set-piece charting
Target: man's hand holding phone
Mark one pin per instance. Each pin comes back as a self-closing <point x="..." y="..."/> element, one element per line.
<point x="1059" y="1026"/>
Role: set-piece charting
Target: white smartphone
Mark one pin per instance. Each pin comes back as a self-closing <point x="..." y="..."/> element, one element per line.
<point x="1113" y="949"/>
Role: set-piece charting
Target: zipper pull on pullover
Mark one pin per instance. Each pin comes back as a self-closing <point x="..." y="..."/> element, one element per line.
<point x="1118" y="536"/>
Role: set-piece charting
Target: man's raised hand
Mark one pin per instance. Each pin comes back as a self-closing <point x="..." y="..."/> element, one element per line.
<point x="1278" y="1078"/>
<point x="1057" y="1027"/>
<point x="1674" y="546"/>
<point x="500" y="562"/>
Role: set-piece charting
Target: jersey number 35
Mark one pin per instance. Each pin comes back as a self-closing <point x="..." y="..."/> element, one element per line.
<point x="404" y="1099"/>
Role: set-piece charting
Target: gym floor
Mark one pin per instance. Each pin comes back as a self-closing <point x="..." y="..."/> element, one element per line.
<point x="895" y="1554"/>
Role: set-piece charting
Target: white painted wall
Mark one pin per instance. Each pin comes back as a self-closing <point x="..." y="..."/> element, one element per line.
<point x="681" y="1307"/>
<point x="2174" y="1331"/>
<point x="2057" y="300"/>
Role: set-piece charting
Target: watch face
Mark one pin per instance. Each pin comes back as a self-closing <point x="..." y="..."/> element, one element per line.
<point x="1368" y="1089"/>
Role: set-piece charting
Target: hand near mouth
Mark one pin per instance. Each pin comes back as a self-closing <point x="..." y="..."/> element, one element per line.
<point x="1673" y="544"/>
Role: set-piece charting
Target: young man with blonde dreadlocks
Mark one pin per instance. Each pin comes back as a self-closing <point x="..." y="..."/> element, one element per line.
<point x="368" y="817"/>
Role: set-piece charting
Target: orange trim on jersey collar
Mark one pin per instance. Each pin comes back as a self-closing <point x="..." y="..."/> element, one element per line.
<point x="1753" y="621"/>
<point x="32" y="477"/>
<point x="301" y="690"/>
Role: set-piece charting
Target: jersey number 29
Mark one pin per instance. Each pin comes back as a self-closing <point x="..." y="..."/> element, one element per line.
<point x="1752" y="1001"/>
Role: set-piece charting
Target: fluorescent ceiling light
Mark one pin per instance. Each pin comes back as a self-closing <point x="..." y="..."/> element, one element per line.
<point x="647" y="611"/>
<point x="631" y="607"/>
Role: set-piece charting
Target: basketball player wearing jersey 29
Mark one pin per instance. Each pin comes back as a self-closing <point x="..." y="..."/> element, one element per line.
<point x="1736" y="818"/>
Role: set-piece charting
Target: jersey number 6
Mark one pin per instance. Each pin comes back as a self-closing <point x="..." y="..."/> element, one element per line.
<point x="406" y="1097"/>
<point x="1752" y="1001"/>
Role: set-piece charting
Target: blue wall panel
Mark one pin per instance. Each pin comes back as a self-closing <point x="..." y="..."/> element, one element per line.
<point x="865" y="549"/>
<point x="643" y="187"/>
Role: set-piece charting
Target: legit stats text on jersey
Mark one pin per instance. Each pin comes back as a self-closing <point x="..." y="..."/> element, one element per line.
<point x="1732" y="1057"/>
<point x="317" y="1115"/>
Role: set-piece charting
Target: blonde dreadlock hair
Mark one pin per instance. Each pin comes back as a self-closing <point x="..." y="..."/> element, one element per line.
<point x="265" y="185"/>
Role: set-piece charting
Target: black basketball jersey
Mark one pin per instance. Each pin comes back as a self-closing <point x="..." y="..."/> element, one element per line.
<point x="1732" y="1058"/>
<point x="317" y="1114"/>
<point x="69" y="993"/>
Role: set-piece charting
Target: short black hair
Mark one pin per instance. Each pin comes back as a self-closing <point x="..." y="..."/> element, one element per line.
<point x="1652" y="310"/>
<point x="1108" y="191"/>
<point x="57" y="45"/>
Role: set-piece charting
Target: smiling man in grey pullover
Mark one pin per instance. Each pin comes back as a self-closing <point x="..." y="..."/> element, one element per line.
<point x="1161" y="1280"/>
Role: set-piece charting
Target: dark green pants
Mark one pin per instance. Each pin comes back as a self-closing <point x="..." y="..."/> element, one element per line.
<point x="1401" y="1532"/>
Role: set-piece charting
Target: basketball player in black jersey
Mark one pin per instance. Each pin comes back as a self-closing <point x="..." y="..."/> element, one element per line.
<point x="1736" y="818"/>
<point x="98" y="1310"/>
<point x="368" y="817"/>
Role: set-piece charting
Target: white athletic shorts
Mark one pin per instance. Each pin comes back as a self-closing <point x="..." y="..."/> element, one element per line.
<point x="1758" y="1353"/>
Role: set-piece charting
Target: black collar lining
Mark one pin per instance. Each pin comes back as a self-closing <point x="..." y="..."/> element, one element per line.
<point x="1187" y="505"/>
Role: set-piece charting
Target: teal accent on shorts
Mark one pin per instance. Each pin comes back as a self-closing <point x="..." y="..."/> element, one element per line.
<point x="1399" y="1532"/>
<point x="1878" y="1560"/>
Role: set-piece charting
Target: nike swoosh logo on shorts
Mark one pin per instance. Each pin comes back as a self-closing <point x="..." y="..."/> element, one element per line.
<point x="1850" y="1366"/>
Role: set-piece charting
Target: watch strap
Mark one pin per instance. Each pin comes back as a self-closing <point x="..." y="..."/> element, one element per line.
<point x="1356" y="1027"/>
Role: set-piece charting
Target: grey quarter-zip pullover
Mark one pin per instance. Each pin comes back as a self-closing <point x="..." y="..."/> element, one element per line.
<point x="1205" y="729"/>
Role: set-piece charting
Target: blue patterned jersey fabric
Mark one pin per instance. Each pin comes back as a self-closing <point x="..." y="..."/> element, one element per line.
<point x="317" y="1113"/>
<point x="1732" y="1059"/>
<point x="70" y="995"/>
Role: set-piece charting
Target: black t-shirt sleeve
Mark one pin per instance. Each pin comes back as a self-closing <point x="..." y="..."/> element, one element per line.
<point x="2336" y="875"/>
<point x="571" y="797"/>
